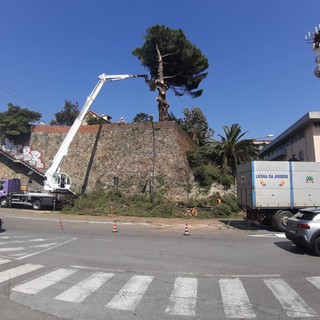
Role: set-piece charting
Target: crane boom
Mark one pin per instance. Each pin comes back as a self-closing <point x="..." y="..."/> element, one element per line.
<point x="54" y="179"/>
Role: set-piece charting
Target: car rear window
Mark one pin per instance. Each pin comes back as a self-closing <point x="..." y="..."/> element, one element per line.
<point x="306" y="215"/>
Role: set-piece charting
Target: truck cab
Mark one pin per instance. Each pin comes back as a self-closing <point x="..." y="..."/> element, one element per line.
<point x="7" y="187"/>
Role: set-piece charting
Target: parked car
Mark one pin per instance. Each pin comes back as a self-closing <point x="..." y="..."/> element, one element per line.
<point x="303" y="229"/>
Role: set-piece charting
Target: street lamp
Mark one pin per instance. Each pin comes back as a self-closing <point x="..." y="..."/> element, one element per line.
<point x="261" y="142"/>
<point x="150" y="117"/>
<point x="267" y="136"/>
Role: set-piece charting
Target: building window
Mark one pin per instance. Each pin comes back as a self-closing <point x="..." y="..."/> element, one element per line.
<point x="317" y="124"/>
<point x="301" y="155"/>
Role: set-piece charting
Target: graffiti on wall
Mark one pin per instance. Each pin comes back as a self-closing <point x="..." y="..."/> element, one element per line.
<point x="23" y="153"/>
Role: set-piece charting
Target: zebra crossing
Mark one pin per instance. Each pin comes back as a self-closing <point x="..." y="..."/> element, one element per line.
<point x="20" y="247"/>
<point x="183" y="300"/>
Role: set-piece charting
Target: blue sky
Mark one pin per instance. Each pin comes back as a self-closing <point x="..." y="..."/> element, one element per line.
<point x="260" y="74"/>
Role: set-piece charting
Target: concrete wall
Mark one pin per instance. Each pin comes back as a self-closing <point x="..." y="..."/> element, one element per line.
<point x="100" y="153"/>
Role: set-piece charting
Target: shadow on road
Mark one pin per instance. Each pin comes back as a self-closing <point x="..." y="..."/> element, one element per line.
<point x="246" y="225"/>
<point x="290" y="247"/>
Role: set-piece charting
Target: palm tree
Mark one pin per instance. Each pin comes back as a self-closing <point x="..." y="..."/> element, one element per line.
<point x="232" y="150"/>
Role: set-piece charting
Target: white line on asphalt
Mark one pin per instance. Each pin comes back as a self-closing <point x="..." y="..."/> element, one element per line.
<point x="44" y="245"/>
<point x="18" y="271"/>
<point x="9" y="237"/>
<point x="22" y="241"/>
<point x="84" y="288"/>
<point x="235" y="299"/>
<point x="268" y="235"/>
<point x="35" y="253"/>
<point x="36" y="285"/>
<point x="131" y="293"/>
<point x="17" y="254"/>
<point x="3" y="261"/>
<point x="280" y="235"/>
<point x="183" y="299"/>
<point x="315" y="281"/>
<point x="289" y="299"/>
<point x="11" y="249"/>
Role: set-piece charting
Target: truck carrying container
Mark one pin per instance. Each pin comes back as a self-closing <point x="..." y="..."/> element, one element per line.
<point x="272" y="191"/>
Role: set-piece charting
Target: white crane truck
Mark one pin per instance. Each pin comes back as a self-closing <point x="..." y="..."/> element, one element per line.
<point x="56" y="183"/>
<point x="272" y="191"/>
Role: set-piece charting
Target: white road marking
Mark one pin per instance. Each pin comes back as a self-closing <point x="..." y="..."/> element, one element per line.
<point x="18" y="271"/>
<point x="9" y="237"/>
<point x="131" y="293"/>
<point x="21" y="241"/>
<point x="35" y="253"/>
<point x="261" y="235"/>
<point x="36" y="285"/>
<point x="289" y="299"/>
<point x="280" y="235"/>
<point x="315" y="281"/>
<point x="235" y="299"/>
<point x="11" y="249"/>
<point x="44" y="245"/>
<point x="84" y="288"/>
<point x="3" y="261"/>
<point x="183" y="299"/>
<point x="17" y="254"/>
<point x="268" y="235"/>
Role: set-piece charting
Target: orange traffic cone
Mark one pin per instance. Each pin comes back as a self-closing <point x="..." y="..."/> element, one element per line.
<point x="60" y="224"/>
<point x="186" y="231"/>
<point x="115" y="227"/>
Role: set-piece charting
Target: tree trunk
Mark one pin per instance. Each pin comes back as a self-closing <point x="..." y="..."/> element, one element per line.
<point x="163" y="104"/>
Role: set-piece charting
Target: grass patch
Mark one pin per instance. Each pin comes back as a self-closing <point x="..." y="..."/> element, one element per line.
<point x="114" y="203"/>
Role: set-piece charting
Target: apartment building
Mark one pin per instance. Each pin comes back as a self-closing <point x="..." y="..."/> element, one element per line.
<point x="300" y="142"/>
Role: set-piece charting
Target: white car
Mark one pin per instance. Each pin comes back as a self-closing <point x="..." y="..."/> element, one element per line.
<point x="303" y="229"/>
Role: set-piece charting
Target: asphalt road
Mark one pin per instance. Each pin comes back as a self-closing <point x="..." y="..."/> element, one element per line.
<point x="78" y="268"/>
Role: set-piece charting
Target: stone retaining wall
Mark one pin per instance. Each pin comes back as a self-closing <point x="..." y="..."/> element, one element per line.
<point x="99" y="153"/>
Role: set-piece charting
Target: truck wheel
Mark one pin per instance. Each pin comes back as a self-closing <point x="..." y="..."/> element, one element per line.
<point x="316" y="246"/>
<point x="281" y="219"/>
<point x="36" y="205"/>
<point x="4" y="203"/>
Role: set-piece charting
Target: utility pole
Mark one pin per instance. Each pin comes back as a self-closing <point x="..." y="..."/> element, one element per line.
<point x="314" y="40"/>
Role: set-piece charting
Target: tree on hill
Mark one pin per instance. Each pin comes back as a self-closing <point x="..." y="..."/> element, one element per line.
<point x="195" y="123"/>
<point x="217" y="161"/>
<point x="141" y="117"/>
<point x="91" y="120"/>
<point x="67" y="115"/>
<point x="173" y="62"/>
<point x="233" y="150"/>
<point x="17" y="121"/>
